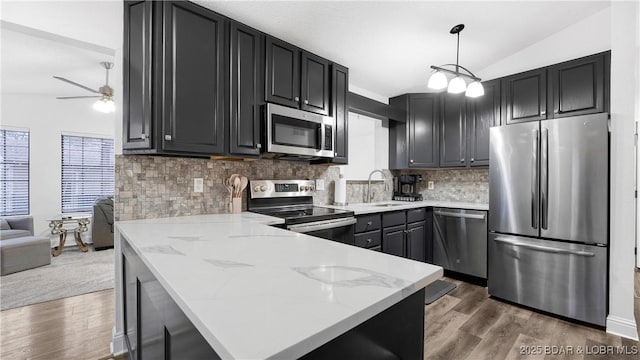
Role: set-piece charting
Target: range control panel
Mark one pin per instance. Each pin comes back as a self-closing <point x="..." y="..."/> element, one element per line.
<point x="281" y="188"/>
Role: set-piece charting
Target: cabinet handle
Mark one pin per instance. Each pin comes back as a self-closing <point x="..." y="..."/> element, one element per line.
<point x="555" y="111"/>
<point x="167" y="137"/>
<point x="472" y="159"/>
<point x="297" y="99"/>
<point x="369" y="223"/>
<point x="258" y="146"/>
<point x="335" y="154"/>
<point x="462" y="160"/>
<point x="543" y="113"/>
<point x="306" y="102"/>
<point x="411" y="161"/>
<point x="368" y="241"/>
<point x="143" y="136"/>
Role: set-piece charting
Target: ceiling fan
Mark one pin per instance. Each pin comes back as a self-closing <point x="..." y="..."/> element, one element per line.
<point x="104" y="93"/>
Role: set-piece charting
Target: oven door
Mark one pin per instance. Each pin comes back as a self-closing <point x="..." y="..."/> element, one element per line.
<point x="296" y="132"/>
<point x="340" y="230"/>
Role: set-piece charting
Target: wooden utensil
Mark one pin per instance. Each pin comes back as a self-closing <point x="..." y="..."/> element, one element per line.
<point x="236" y="187"/>
<point x="243" y="184"/>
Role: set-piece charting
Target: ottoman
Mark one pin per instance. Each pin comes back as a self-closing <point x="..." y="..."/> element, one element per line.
<point x="23" y="253"/>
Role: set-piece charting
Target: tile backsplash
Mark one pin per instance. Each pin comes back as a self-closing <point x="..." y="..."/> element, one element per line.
<point x="153" y="186"/>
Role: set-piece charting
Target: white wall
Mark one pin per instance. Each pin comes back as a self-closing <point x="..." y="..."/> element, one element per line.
<point x="368" y="147"/>
<point x="589" y="36"/>
<point x="625" y="67"/>
<point x="47" y="119"/>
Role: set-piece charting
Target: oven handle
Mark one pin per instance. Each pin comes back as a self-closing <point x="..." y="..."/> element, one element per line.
<point x="321" y="225"/>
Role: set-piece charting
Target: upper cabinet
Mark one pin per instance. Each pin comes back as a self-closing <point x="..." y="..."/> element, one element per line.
<point x="482" y="113"/>
<point x="283" y="73"/>
<point x="414" y="143"/>
<point x="246" y="85"/>
<point x="453" y="131"/>
<point x="525" y="96"/>
<point x="297" y="78"/>
<point x="577" y="87"/>
<point x="340" y="111"/>
<point x="194" y="79"/>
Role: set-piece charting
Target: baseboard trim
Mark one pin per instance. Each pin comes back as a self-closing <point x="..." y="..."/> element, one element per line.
<point x="622" y="327"/>
<point x="117" y="346"/>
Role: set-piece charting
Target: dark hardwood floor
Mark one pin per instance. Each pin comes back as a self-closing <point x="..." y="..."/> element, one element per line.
<point x="467" y="324"/>
<point x="464" y="324"/>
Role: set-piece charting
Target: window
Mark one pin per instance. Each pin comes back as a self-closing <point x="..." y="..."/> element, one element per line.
<point x="14" y="161"/>
<point x="88" y="168"/>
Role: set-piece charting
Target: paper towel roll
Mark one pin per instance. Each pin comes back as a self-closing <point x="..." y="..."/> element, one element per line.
<point x="341" y="191"/>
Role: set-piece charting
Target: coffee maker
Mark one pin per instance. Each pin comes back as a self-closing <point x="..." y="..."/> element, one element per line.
<point x="405" y="187"/>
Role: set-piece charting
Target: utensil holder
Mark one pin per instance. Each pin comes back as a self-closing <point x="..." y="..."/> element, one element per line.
<point x="236" y="205"/>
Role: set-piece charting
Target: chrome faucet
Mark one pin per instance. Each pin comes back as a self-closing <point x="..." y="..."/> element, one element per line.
<point x="386" y="186"/>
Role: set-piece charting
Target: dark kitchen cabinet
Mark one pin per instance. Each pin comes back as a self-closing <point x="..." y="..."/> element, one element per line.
<point x="340" y="112"/>
<point x="482" y="113"/>
<point x="577" y="87"/>
<point x="283" y="73"/>
<point x="416" y="233"/>
<point x="155" y="327"/>
<point x="246" y="84"/>
<point x="414" y="143"/>
<point x="525" y="97"/>
<point x="194" y="59"/>
<point x="452" y="131"/>
<point x="393" y="240"/>
<point x="314" y="75"/>
<point x="137" y="75"/>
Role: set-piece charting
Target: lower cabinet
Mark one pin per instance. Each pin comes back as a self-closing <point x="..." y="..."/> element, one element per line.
<point x="155" y="327"/>
<point x="401" y="233"/>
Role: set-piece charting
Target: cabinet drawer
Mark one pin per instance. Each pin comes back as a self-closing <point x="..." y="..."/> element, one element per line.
<point x="368" y="223"/>
<point x="368" y="239"/>
<point x="415" y="215"/>
<point x="394" y="218"/>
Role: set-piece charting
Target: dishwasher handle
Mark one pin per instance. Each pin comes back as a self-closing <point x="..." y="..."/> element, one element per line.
<point x="460" y="215"/>
<point x="544" y="248"/>
<point x="321" y="225"/>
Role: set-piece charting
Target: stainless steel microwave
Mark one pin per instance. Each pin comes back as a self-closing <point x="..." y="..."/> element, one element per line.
<point x="297" y="133"/>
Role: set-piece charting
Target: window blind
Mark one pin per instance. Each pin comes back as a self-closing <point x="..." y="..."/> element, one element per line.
<point x="14" y="165"/>
<point x="88" y="168"/>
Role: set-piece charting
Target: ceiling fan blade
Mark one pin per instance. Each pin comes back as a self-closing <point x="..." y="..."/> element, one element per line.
<point x="78" y="97"/>
<point x="76" y="84"/>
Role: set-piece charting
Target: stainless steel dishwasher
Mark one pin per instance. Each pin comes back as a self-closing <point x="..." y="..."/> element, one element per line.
<point x="460" y="240"/>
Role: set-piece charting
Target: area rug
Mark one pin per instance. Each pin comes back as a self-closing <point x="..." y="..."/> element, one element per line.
<point x="71" y="273"/>
<point x="436" y="290"/>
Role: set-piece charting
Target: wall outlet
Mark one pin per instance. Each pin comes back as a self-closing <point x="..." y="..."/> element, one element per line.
<point x="319" y="185"/>
<point x="198" y="184"/>
<point x="430" y="185"/>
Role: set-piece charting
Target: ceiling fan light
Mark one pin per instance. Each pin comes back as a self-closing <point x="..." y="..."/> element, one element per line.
<point x="437" y="81"/>
<point x="104" y="105"/>
<point x="475" y="89"/>
<point x="457" y="85"/>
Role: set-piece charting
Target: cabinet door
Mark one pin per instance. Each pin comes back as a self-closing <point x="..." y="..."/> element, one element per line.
<point x="416" y="233"/>
<point x="525" y="97"/>
<point x="151" y="330"/>
<point x="314" y="75"/>
<point x="482" y="113"/>
<point x="393" y="240"/>
<point x="136" y="99"/>
<point x="246" y="90"/>
<point x="452" y="131"/>
<point x="194" y="79"/>
<point x="130" y="300"/>
<point x="340" y="112"/>
<point x="423" y="130"/>
<point x="577" y="87"/>
<point x="283" y="73"/>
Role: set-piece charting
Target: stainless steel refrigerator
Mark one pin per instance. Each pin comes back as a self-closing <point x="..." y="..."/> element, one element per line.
<point x="548" y="215"/>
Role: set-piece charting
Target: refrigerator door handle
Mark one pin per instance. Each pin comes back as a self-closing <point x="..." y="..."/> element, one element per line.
<point x="534" y="181"/>
<point x="544" y="179"/>
<point x="544" y="248"/>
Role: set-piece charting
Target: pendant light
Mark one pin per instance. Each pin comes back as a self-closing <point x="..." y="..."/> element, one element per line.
<point x="457" y="85"/>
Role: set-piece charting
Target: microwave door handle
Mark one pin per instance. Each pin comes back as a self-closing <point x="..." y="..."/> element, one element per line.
<point x="320" y="135"/>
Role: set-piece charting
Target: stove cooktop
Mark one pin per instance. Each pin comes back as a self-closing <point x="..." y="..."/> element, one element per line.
<point x="298" y="215"/>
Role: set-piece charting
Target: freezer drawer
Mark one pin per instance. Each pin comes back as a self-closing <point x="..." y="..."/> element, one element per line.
<point x="561" y="278"/>
<point x="460" y="240"/>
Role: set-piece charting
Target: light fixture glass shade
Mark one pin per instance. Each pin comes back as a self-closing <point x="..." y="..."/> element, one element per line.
<point x="105" y="105"/>
<point x="437" y="81"/>
<point x="475" y="89"/>
<point x="457" y="85"/>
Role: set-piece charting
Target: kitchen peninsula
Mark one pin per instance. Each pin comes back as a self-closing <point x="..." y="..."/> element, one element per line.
<point x="230" y="286"/>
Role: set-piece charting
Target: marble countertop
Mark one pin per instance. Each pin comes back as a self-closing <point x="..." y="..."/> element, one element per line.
<point x="259" y="292"/>
<point x="384" y="206"/>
